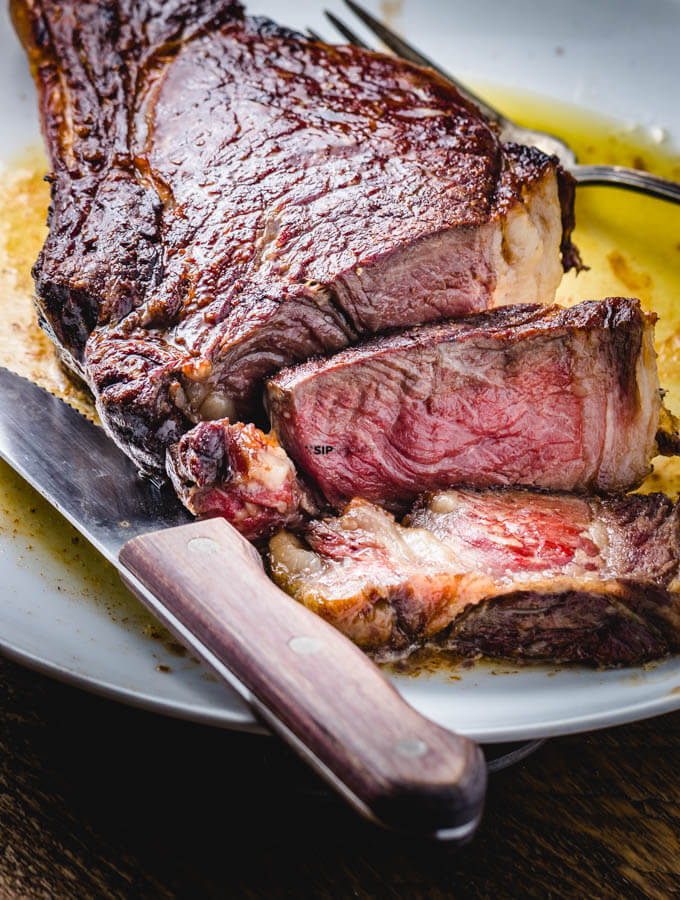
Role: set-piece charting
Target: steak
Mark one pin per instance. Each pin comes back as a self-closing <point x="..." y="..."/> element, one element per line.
<point x="229" y="197"/>
<point x="553" y="398"/>
<point x="506" y="573"/>
<point x="236" y="471"/>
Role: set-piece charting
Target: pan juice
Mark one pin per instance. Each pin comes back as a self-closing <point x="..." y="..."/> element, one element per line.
<point x="24" y="346"/>
<point x="32" y="533"/>
<point x="631" y="244"/>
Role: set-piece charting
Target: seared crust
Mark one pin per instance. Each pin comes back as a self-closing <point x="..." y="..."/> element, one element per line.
<point x="622" y="317"/>
<point x="222" y="188"/>
<point x="598" y="627"/>
<point x="239" y="473"/>
<point x="505" y="573"/>
<point x="528" y="161"/>
<point x="103" y="251"/>
<point x="554" y="398"/>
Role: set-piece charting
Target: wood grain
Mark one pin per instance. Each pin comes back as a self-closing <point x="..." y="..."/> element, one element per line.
<point x="97" y="800"/>
<point x="411" y="774"/>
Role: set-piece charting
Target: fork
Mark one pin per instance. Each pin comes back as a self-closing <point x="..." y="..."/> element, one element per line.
<point x="602" y="175"/>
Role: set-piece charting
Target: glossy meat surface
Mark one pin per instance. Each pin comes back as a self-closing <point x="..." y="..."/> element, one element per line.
<point x="560" y="399"/>
<point x="510" y="534"/>
<point x="506" y="573"/>
<point x="236" y="471"/>
<point x="230" y="197"/>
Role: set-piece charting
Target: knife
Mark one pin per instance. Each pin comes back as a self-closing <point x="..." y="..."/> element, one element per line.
<point x="206" y="583"/>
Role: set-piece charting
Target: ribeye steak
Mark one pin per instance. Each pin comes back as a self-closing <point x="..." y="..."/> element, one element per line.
<point x="502" y="572"/>
<point x="561" y="399"/>
<point x="229" y="197"/>
<point x="238" y="472"/>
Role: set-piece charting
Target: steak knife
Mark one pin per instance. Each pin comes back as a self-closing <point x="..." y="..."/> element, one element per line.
<point x="307" y="682"/>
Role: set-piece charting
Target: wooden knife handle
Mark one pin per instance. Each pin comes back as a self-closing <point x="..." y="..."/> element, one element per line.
<point x="308" y="682"/>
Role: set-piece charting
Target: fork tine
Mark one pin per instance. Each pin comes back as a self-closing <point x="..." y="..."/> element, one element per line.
<point x="400" y="48"/>
<point x="346" y="32"/>
<point x="315" y="36"/>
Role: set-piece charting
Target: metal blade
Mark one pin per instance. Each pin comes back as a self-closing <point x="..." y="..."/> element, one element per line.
<point x="79" y="470"/>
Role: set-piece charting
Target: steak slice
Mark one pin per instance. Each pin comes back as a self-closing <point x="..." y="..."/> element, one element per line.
<point x="229" y="197"/>
<point x="236" y="471"/>
<point x="507" y="573"/>
<point x="562" y="399"/>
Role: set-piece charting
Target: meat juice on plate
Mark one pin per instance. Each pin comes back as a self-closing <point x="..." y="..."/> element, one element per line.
<point x="26" y="520"/>
<point x="631" y="244"/>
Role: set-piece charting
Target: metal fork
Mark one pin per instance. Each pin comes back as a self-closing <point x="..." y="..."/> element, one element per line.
<point x="617" y="176"/>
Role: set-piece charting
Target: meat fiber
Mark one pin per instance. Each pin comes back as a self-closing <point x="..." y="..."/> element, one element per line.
<point x="560" y="399"/>
<point x="236" y="471"/>
<point x="229" y="197"/>
<point x="505" y="573"/>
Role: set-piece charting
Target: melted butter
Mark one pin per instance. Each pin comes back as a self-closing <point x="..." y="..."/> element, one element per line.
<point x="630" y="242"/>
<point x="30" y="521"/>
<point x="25" y="517"/>
<point x="24" y="347"/>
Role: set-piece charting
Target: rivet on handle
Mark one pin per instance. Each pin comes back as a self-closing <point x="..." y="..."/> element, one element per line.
<point x="203" y="545"/>
<point x="304" y="645"/>
<point x="411" y="748"/>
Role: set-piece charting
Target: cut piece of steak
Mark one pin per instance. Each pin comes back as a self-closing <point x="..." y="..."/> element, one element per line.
<point x="229" y="197"/>
<point x="562" y="399"/>
<point x="236" y="471"/>
<point x="513" y="574"/>
<point x="509" y="534"/>
<point x="379" y="583"/>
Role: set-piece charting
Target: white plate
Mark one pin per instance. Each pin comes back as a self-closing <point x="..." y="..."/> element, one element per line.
<point x="64" y="612"/>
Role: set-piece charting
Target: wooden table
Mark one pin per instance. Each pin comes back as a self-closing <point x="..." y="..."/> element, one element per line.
<point x="98" y="800"/>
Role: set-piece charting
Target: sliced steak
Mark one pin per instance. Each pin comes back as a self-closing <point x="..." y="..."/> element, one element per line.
<point x="506" y="573"/>
<point x="229" y="197"/>
<point x="511" y="534"/>
<point x="563" y="399"/>
<point x="237" y="472"/>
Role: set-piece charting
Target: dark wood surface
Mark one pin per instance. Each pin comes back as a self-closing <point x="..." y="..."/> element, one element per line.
<point x="331" y="697"/>
<point x="98" y="800"/>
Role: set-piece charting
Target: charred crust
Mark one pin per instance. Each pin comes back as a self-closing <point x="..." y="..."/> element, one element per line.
<point x="668" y="443"/>
<point x="265" y="28"/>
<point x="566" y="185"/>
<point x="599" y="628"/>
<point x="112" y="259"/>
<point x="621" y="317"/>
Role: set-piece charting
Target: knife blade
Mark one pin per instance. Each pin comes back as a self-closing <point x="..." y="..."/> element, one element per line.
<point x="307" y="682"/>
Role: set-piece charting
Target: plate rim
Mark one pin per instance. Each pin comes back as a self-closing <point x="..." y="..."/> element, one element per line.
<point x="232" y="720"/>
<point x="203" y="714"/>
